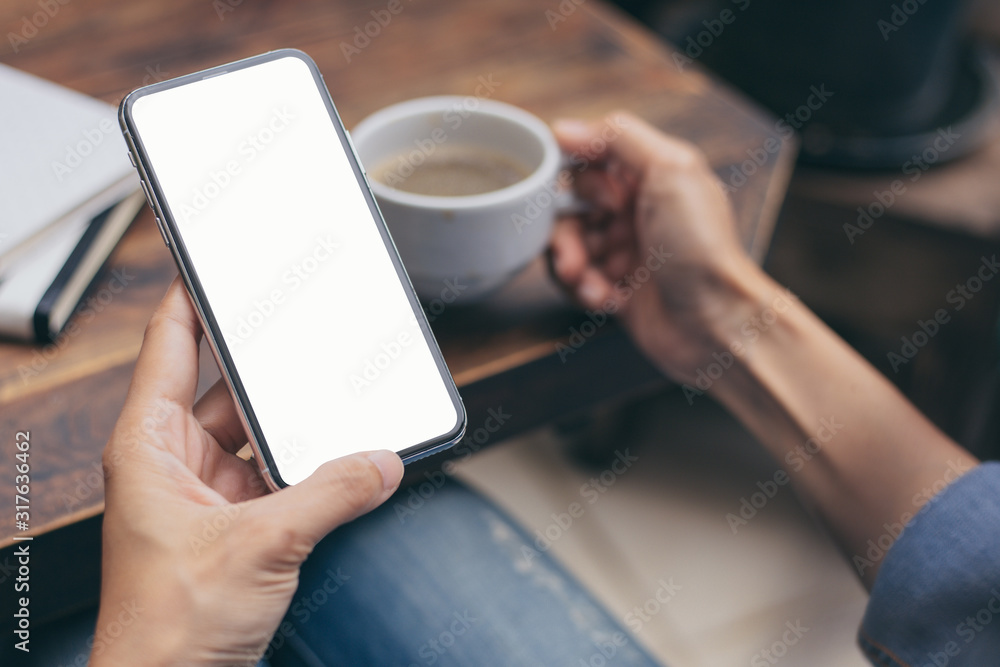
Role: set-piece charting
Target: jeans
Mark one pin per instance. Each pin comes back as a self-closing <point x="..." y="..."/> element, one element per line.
<point x="444" y="580"/>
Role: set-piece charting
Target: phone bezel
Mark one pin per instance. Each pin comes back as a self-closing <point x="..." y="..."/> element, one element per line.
<point x="189" y="274"/>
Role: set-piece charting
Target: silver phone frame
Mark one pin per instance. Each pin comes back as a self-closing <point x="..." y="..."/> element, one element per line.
<point x="165" y="222"/>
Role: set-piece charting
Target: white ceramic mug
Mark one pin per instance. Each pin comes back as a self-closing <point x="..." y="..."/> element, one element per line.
<point x="464" y="247"/>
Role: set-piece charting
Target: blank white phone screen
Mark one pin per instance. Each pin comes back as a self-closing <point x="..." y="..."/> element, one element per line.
<point x="293" y="268"/>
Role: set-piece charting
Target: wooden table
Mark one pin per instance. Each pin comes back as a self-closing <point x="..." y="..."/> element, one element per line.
<point x="554" y="59"/>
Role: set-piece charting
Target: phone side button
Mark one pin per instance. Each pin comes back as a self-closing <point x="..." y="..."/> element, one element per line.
<point x="163" y="230"/>
<point x="145" y="190"/>
<point x="131" y="159"/>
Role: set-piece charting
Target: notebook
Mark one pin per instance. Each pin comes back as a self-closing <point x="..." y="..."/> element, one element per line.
<point x="64" y="168"/>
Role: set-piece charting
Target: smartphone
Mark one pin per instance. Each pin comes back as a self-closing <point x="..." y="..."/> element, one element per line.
<point x="262" y="200"/>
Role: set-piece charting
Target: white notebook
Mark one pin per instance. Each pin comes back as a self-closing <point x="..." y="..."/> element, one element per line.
<point x="65" y="186"/>
<point x="44" y="284"/>
<point x="62" y="156"/>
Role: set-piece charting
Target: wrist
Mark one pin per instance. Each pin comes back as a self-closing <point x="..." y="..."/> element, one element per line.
<point x="743" y="322"/>
<point x="735" y="305"/>
<point x="142" y="623"/>
<point x="116" y="643"/>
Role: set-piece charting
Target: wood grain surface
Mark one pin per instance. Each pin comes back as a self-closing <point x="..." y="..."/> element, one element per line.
<point x="590" y="61"/>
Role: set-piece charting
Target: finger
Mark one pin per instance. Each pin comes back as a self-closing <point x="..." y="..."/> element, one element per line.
<point x="338" y="492"/>
<point x="569" y="255"/>
<point x="618" y="263"/>
<point x="596" y="187"/>
<point x="167" y="367"/>
<point x="233" y="478"/>
<point x="596" y="243"/>
<point x="620" y="233"/>
<point x="217" y="413"/>
<point x="611" y="199"/>
<point x="624" y="136"/>
<point x="594" y="289"/>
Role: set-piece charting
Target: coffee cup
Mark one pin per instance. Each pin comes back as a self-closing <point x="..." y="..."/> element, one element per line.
<point x="469" y="189"/>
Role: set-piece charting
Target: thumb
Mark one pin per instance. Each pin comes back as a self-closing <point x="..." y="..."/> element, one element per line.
<point x="339" y="491"/>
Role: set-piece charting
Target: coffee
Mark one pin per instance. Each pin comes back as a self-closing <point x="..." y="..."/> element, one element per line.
<point x="451" y="171"/>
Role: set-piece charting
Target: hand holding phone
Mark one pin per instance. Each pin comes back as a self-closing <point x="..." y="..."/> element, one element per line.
<point x="203" y="560"/>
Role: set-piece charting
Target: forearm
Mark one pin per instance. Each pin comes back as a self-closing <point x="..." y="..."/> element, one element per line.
<point x="862" y="458"/>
